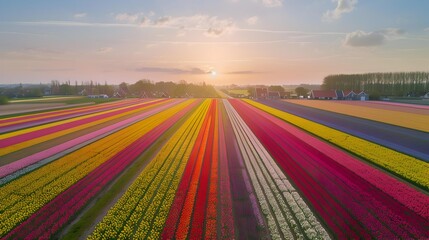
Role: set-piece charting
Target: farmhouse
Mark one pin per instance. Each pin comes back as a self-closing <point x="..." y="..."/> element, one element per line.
<point x="274" y="95"/>
<point x="261" y="92"/>
<point x="349" y="95"/>
<point x="323" y="94"/>
<point x="339" y="95"/>
<point x="363" y="96"/>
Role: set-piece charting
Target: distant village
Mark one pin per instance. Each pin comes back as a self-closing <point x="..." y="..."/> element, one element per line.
<point x="265" y="93"/>
<point x="369" y="86"/>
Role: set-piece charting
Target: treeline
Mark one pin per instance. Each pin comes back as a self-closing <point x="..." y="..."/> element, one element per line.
<point x="56" y="88"/>
<point x="147" y="88"/>
<point x="82" y="88"/>
<point x="141" y="88"/>
<point x="20" y="91"/>
<point x="400" y="84"/>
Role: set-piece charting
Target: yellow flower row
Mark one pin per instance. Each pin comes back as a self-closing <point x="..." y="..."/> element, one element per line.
<point x="403" y="119"/>
<point x="25" y="195"/>
<point x="142" y="211"/>
<point x="47" y="137"/>
<point x="409" y="168"/>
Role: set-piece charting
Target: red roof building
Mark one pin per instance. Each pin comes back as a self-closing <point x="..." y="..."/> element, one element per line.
<point x="323" y="94"/>
<point x="261" y="92"/>
<point x="349" y="94"/>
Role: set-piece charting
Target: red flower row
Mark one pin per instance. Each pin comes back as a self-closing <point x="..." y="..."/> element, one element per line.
<point x="350" y="205"/>
<point x="49" y="219"/>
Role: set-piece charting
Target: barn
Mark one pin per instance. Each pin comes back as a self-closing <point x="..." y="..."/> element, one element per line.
<point x="323" y="94"/>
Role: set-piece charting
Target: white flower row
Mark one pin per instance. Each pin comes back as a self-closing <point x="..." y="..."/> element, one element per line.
<point x="285" y="210"/>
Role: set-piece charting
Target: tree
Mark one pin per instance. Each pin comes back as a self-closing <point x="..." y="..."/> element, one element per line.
<point x="301" y="91"/>
<point x="141" y="86"/>
<point x="123" y="89"/>
<point x="381" y="84"/>
<point x="252" y="91"/>
<point x="3" y="100"/>
<point x="275" y="88"/>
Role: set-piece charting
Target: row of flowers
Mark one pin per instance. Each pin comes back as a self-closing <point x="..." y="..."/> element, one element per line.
<point x="20" y="139"/>
<point x="401" y="192"/>
<point x="47" y="220"/>
<point x="25" y="195"/>
<point x="371" y="112"/>
<point x="407" y="167"/>
<point x="287" y="214"/>
<point x="248" y="218"/>
<point x="196" y="197"/>
<point x="226" y="220"/>
<point x="70" y="146"/>
<point x="350" y="205"/>
<point x="142" y="210"/>
<point x="29" y="120"/>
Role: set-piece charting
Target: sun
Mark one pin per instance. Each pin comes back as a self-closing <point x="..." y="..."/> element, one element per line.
<point x="213" y="73"/>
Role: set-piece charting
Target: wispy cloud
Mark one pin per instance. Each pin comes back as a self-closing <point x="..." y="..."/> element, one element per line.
<point x="190" y="43"/>
<point x="212" y="26"/>
<point x="196" y="71"/>
<point x="36" y="54"/>
<point x="252" y="20"/>
<point x="24" y="33"/>
<point x="272" y="3"/>
<point x="370" y="39"/>
<point x="53" y="69"/>
<point x="104" y="50"/>
<point x="74" y="24"/>
<point x="202" y="23"/>
<point x="266" y="30"/>
<point x="44" y="51"/>
<point x="343" y="6"/>
<point x="129" y="18"/>
<point x="80" y="15"/>
<point x="246" y="72"/>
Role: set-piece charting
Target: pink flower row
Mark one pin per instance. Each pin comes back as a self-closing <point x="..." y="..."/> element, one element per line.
<point x="26" y="161"/>
<point x="15" y="123"/>
<point x="226" y="217"/>
<point x="42" y="132"/>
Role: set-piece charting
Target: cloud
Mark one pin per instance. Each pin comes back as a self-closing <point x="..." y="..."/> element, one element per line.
<point x="128" y="18"/>
<point x="370" y="39"/>
<point x="37" y="54"/>
<point x="218" y="27"/>
<point x="104" y="50"/>
<point x="247" y="72"/>
<point x="343" y="6"/>
<point x="252" y="20"/>
<point x="364" y="39"/>
<point x="211" y="25"/>
<point x="80" y="15"/>
<point x="53" y="69"/>
<point x="196" y="71"/>
<point x="163" y="20"/>
<point x="272" y="3"/>
<point x="75" y="24"/>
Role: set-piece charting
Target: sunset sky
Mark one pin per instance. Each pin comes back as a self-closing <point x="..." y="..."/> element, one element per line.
<point x="219" y="42"/>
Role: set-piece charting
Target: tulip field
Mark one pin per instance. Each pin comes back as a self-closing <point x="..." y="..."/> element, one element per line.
<point x="214" y="169"/>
